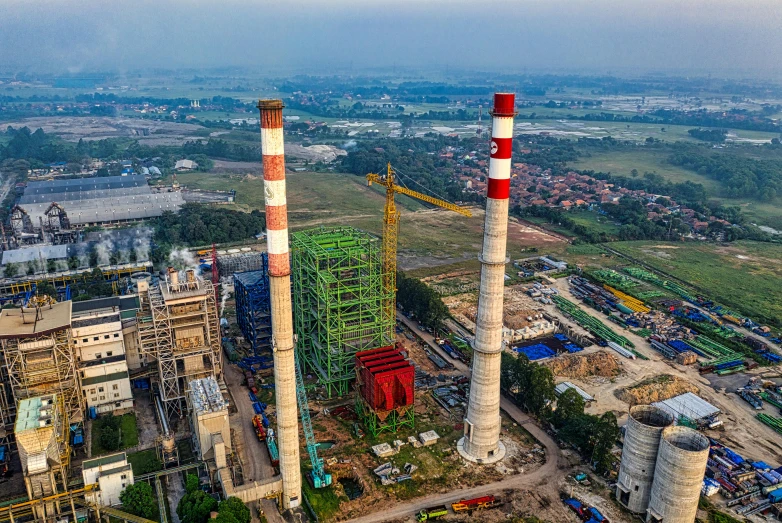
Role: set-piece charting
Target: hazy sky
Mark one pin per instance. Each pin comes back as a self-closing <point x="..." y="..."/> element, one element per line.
<point x="687" y="36"/>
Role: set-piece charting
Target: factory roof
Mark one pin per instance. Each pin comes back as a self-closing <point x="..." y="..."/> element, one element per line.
<point x="104" y="460"/>
<point x="35" y="253"/>
<point x="688" y="405"/>
<point x="90" y="321"/>
<point x="65" y="196"/>
<point x="565" y="385"/>
<point x="29" y="413"/>
<point x="104" y="378"/>
<point x="110" y="208"/>
<point x="251" y="278"/>
<point x="84" y="184"/>
<point x="125" y="303"/>
<point x="29" y="323"/>
<point x="205" y="396"/>
<point x="115" y="470"/>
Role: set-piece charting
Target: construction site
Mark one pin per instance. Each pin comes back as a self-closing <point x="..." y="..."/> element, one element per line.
<point x="285" y="373"/>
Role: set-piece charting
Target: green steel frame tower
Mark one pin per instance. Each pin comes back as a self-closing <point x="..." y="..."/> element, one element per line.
<point x="338" y="301"/>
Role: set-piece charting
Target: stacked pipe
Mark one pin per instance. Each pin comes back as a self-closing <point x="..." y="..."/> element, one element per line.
<point x="280" y="294"/>
<point x="481" y="441"/>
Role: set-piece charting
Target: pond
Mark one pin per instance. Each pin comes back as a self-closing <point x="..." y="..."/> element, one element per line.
<point x="352" y="488"/>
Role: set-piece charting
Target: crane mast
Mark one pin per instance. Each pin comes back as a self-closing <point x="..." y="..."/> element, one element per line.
<point x="391" y="227"/>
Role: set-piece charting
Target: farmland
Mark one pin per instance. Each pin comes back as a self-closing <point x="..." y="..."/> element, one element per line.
<point x="746" y="276"/>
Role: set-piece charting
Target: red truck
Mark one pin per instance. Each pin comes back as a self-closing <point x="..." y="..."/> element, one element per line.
<point x="475" y="503"/>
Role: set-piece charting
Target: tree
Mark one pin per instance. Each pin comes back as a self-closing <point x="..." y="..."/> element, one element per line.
<point x="541" y="389"/>
<point x="196" y="505"/>
<point x="139" y="500"/>
<point x="233" y="510"/>
<point x="569" y="405"/>
<point x="109" y="427"/>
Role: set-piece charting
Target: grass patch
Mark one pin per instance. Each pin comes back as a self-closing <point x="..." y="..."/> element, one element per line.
<point x="643" y="160"/>
<point x="745" y="276"/>
<point x="324" y="501"/>
<point x="144" y="462"/>
<point x="128" y="433"/>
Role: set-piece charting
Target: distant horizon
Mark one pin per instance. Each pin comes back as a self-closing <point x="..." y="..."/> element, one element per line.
<point x="721" y="38"/>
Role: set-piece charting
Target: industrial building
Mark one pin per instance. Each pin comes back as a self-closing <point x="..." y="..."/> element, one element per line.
<point x="178" y="327"/>
<point x="112" y="473"/>
<point x="92" y="201"/>
<point x="99" y="346"/>
<point x="643" y="432"/>
<point x="209" y="420"/>
<point x="241" y="260"/>
<point x="253" y="307"/>
<point x="41" y="432"/>
<point x="678" y="476"/>
<point x="39" y="360"/>
<point x="662" y="468"/>
<point x="338" y="301"/>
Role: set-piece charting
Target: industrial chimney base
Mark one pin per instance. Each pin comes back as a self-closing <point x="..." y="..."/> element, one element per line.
<point x="498" y="455"/>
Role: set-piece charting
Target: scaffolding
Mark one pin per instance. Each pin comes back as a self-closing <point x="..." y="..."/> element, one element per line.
<point x="377" y="422"/>
<point x="231" y="263"/>
<point x="178" y="326"/>
<point x="338" y="301"/>
<point x="253" y="309"/>
<point x="38" y="359"/>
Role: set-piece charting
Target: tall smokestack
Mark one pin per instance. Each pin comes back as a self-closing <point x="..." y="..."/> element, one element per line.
<point x="481" y="441"/>
<point x="281" y="309"/>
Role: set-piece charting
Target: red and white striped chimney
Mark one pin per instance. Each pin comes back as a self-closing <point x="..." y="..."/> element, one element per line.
<point x="481" y="441"/>
<point x="280" y="289"/>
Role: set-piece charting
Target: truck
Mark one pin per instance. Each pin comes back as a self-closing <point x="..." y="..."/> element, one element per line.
<point x="260" y="431"/>
<point x="431" y="513"/>
<point x="475" y="503"/>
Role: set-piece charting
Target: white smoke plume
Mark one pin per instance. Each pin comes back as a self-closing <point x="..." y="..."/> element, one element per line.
<point x="181" y="259"/>
<point x="225" y="291"/>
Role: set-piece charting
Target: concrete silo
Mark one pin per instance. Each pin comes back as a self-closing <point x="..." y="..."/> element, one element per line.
<point x="643" y="431"/>
<point x="678" y="476"/>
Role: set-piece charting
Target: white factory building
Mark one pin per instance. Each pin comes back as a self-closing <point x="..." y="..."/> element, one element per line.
<point x="111" y="473"/>
<point x="98" y="343"/>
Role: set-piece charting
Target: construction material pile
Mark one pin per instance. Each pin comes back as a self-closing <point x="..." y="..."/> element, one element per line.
<point x="659" y="388"/>
<point x="598" y="363"/>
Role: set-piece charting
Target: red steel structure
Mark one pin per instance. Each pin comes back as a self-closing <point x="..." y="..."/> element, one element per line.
<point x="385" y="382"/>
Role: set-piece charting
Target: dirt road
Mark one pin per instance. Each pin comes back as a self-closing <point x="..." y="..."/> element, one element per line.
<point x="545" y="475"/>
<point x="255" y="459"/>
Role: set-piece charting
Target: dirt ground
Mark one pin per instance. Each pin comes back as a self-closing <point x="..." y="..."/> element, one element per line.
<point x="599" y="363"/>
<point x="148" y="132"/>
<point x="659" y="388"/>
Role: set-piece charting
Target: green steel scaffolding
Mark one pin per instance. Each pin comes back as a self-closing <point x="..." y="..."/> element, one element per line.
<point x="338" y="301"/>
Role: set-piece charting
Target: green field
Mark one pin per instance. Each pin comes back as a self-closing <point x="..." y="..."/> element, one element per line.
<point x="621" y="163"/>
<point x="745" y="276"/>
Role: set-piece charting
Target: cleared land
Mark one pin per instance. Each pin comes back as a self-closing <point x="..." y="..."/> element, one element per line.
<point x="427" y="236"/>
<point x="746" y="276"/>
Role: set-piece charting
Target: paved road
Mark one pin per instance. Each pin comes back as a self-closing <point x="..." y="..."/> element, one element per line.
<point x="547" y="474"/>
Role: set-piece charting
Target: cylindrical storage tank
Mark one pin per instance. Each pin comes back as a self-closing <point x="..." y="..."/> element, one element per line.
<point x="678" y="476"/>
<point x="643" y="431"/>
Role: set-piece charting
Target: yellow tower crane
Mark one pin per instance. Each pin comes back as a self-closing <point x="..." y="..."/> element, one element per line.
<point x="391" y="228"/>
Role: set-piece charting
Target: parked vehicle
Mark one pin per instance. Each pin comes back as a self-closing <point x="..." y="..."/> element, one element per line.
<point x="475" y="503"/>
<point x="432" y="513"/>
